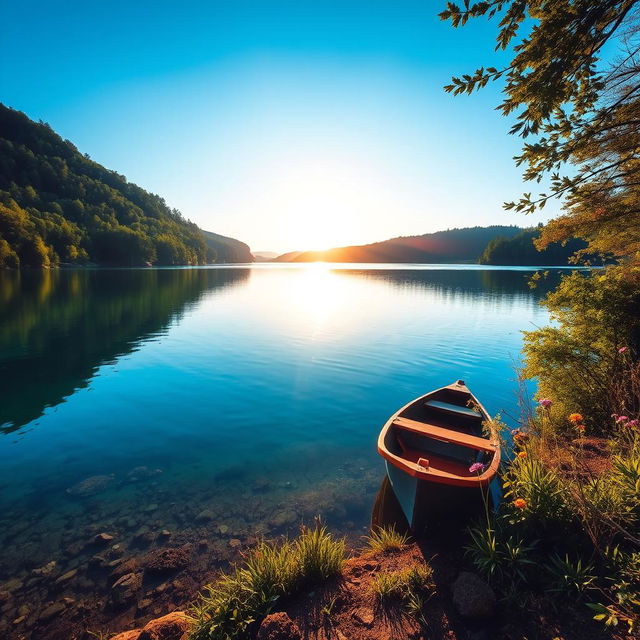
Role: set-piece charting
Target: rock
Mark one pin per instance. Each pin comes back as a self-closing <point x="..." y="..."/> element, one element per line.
<point x="66" y="576"/>
<point x="90" y="486"/>
<point x="278" y="626"/>
<point x="45" y="570"/>
<point x="165" y="560"/>
<point x="234" y="543"/>
<point x="151" y="508"/>
<point x="125" y="589"/>
<point x="284" y="518"/>
<point x="169" y="627"/>
<point x="51" y="611"/>
<point x="165" y="533"/>
<point x="103" y="538"/>
<point x="12" y="585"/>
<point x="205" y="516"/>
<point x="363" y="616"/>
<point x="473" y="597"/>
<point x="4" y="596"/>
<point x="223" y="529"/>
<point x="128" y="635"/>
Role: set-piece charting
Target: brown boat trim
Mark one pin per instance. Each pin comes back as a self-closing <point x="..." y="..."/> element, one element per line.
<point x="431" y="475"/>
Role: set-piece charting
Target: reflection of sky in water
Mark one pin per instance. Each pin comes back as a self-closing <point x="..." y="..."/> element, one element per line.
<point x="284" y="371"/>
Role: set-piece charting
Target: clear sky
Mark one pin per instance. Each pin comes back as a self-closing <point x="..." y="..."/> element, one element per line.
<point x="289" y="124"/>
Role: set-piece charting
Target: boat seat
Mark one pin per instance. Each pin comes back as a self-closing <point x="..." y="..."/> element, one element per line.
<point x="445" y="435"/>
<point x="447" y="407"/>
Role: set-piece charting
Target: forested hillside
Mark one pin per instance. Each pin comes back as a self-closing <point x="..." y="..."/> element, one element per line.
<point x="59" y="206"/>
<point x="452" y="245"/>
<point x="520" y="250"/>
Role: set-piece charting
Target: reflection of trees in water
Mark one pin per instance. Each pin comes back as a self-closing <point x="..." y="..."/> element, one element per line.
<point x="466" y="284"/>
<point x="58" y="327"/>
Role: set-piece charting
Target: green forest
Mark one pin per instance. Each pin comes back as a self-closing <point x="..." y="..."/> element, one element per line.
<point x="57" y="206"/>
<point x="521" y="250"/>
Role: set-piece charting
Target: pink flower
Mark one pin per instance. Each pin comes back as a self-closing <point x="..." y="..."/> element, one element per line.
<point x="622" y="418"/>
<point x="623" y="349"/>
<point x="476" y="467"/>
<point x="632" y="423"/>
<point x="545" y="402"/>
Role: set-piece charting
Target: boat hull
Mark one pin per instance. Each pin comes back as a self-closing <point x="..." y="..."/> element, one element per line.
<point x="426" y="505"/>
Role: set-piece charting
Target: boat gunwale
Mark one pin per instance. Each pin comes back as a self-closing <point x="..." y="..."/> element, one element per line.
<point x="429" y="475"/>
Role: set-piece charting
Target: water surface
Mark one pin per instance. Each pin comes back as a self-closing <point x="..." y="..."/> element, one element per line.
<point x="254" y="395"/>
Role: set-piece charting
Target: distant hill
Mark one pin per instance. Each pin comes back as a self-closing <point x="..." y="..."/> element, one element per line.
<point x="452" y="245"/>
<point x="264" y="256"/>
<point x="59" y="206"/>
<point x="520" y="250"/>
<point x="227" y="249"/>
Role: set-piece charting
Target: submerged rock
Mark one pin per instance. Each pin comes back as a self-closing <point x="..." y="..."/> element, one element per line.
<point x="278" y="626"/>
<point x="473" y="597"/>
<point x="52" y="611"/>
<point x="45" y="570"/>
<point x="166" y="560"/>
<point x="205" y="516"/>
<point x="126" y="589"/>
<point x="170" y="627"/>
<point x="90" y="486"/>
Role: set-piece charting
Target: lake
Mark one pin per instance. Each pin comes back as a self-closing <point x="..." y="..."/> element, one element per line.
<point x="220" y="404"/>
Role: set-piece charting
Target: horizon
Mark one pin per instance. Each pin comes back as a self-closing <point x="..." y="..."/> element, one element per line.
<point x="286" y="127"/>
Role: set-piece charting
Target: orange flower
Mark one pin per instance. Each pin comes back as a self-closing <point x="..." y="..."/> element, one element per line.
<point x="581" y="428"/>
<point x="519" y="503"/>
<point x="575" y="418"/>
<point x="522" y="454"/>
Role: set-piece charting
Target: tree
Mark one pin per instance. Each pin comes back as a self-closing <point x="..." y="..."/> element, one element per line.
<point x="573" y="106"/>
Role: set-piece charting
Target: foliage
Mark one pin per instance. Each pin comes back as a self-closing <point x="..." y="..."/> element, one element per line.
<point x="386" y="539"/>
<point x="59" y="206"/>
<point x="570" y="577"/>
<point x="577" y="361"/>
<point x="520" y="250"/>
<point x="573" y="105"/>
<point x="230" y="608"/>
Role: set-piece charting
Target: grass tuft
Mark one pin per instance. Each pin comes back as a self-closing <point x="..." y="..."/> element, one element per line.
<point x="230" y="608"/>
<point x="386" y="539"/>
<point x="408" y="588"/>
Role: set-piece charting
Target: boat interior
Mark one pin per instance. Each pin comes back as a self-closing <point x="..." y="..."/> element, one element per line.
<point x="442" y="433"/>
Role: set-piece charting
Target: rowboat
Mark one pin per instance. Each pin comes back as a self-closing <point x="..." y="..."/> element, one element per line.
<point x="439" y="460"/>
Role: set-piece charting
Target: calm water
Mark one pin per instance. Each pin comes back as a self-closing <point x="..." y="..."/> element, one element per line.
<point x="252" y="394"/>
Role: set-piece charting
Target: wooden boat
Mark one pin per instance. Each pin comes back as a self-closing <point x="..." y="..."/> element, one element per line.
<point x="430" y="446"/>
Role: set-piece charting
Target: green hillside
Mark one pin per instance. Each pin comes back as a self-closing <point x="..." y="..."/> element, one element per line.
<point x="59" y="206"/>
<point x="520" y="250"/>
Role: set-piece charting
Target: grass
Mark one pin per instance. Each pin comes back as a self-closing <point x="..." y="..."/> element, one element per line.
<point x="230" y="608"/>
<point x="407" y="589"/>
<point x="386" y="539"/>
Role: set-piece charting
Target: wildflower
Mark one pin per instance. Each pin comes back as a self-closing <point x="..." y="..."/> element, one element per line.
<point x="520" y="436"/>
<point x="622" y="418"/>
<point x="575" y="418"/>
<point x="623" y="349"/>
<point x="522" y="455"/>
<point x="476" y="467"/>
<point x="581" y="428"/>
<point x="545" y="402"/>
<point x="632" y="423"/>
<point x="519" y="503"/>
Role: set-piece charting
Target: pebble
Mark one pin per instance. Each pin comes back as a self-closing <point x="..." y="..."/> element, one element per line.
<point x="66" y="576"/>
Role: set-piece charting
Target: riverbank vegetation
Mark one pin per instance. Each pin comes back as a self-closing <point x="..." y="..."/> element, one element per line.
<point x="570" y="523"/>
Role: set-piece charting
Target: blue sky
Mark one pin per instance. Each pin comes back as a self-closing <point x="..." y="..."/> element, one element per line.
<point x="289" y="125"/>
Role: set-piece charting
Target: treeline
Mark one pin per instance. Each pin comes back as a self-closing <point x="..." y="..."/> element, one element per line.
<point x="59" y="206"/>
<point x="520" y="250"/>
